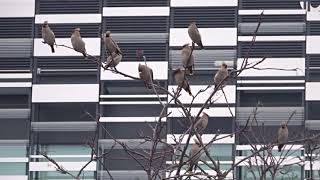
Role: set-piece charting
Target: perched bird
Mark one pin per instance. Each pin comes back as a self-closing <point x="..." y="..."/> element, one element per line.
<point x="221" y="75"/>
<point x="194" y="34"/>
<point x="110" y="44"/>
<point x="181" y="80"/>
<point x="194" y="155"/>
<point x="48" y="35"/>
<point x="202" y="123"/>
<point x="113" y="60"/>
<point x="146" y="74"/>
<point x="187" y="58"/>
<point x="283" y="134"/>
<point x="77" y="43"/>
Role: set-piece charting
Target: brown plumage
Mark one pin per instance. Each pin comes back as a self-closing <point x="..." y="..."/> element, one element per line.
<point x="202" y="123"/>
<point x="221" y="74"/>
<point x="48" y="35"/>
<point x="110" y="44"/>
<point x="77" y="43"/>
<point x="113" y="60"/>
<point x="283" y="134"/>
<point x="146" y="74"/>
<point x="194" y="34"/>
<point x="194" y="155"/>
<point x="187" y="58"/>
<point x="182" y="81"/>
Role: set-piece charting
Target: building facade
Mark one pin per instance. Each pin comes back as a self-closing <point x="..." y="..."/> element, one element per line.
<point x="51" y="102"/>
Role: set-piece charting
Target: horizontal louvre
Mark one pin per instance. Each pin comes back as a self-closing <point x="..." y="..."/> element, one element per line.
<point x="123" y="174"/>
<point x="271" y="115"/>
<point x="269" y="4"/>
<point x="313" y="28"/>
<point x="134" y="110"/>
<point x="313" y="125"/>
<point x="278" y="28"/>
<point x="313" y="60"/>
<point x="135" y="3"/>
<point x="215" y="124"/>
<point x="202" y="62"/>
<point x="69" y="6"/>
<point x="76" y="111"/>
<point x="273" y="49"/>
<point x="14" y="113"/>
<point x="15" y="63"/>
<point x="140" y="37"/>
<point x="64" y="63"/>
<point x="63" y="126"/>
<point x="271" y="98"/>
<point x="130" y="143"/>
<point x="63" y="137"/>
<point x="272" y="18"/>
<point x="15" y="47"/>
<point x="16" y="27"/>
<point x="14" y="129"/>
<point x="65" y="30"/>
<point x="121" y="88"/>
<point x="207" y="17"/>
<point x="153" y="51"/>
<point x="137" y="24"/>
<point x="132" y="129"/>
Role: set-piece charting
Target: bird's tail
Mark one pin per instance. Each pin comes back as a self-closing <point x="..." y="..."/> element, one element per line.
<point x="189" y="90"/>
<point x="190" y="168"/>
<point x="84" y="55"/>
<point x="52" y="48"/>
<point x="200" y="45"/>
<point x="189" y="70"/>
<point x="280" y="146"/>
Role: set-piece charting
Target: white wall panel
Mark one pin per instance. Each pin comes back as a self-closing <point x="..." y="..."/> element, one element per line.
<point x="69" y="166"/>
<point x="313" y="45"/>
<point x="46" y="93"/>
<point x="136" y="11"/>
<point x="272" y="38"/>
<point x="209" y="36"/>
<point x="312" y="91"/>
<point x="272" y="12"/>
<point x="160" y="71"/>
<point x="212" y="111"/>
<point x="282" y="63"/>
<point x="41" y="49"/>
<point x="17" y="8"/>
<point x="204" y="3"/>
<point x="218" y="98"/>
<point x="13" y="159"/>
<point x="15" y="75"/>
<point x="67" y="18"/>
<point x="313" y="16"/>
<point x="206" y="138"/>
<point x="16" y="84"/>
<point x="288" y="160"/>
<point x="131" y="119"/>
<point x="14" y="177"/>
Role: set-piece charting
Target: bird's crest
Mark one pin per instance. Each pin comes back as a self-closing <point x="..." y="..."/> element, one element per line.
<point x="45" y="24"/>
<point x="108" y="33"/>
<point x="224" y="65"/>
<point x="283" y="124"/>
<point x="204" y="113"/>
<point x="77" y="29"/>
